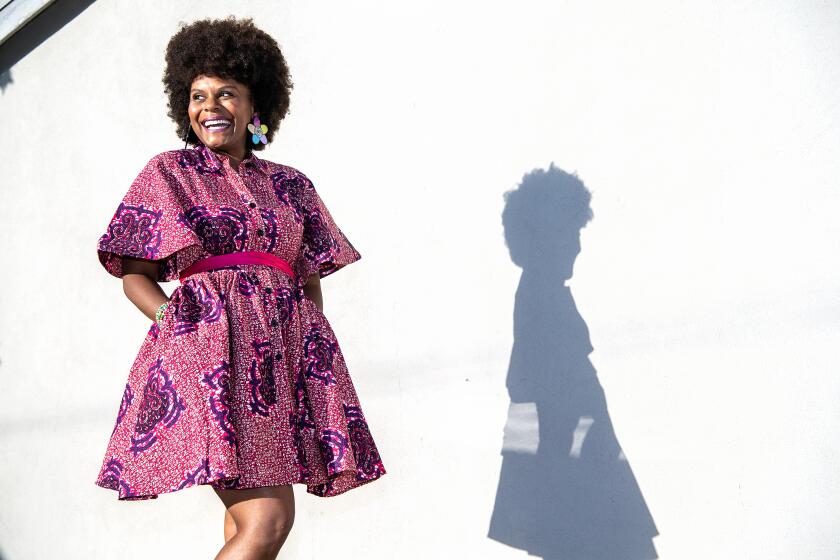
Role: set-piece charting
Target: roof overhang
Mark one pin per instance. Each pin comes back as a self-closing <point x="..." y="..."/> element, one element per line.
<point x="14" y="14"/>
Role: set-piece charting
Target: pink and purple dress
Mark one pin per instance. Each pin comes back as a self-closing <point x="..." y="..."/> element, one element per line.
<point x="243" y="384"/>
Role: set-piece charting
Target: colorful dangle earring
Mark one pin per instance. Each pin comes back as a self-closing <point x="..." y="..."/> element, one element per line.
<point x="257" y="130"/>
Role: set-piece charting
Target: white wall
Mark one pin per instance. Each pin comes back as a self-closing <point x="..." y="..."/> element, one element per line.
<point x="708" y="136"/>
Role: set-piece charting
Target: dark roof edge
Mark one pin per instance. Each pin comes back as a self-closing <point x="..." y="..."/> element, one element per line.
<point x="14" y="14"/>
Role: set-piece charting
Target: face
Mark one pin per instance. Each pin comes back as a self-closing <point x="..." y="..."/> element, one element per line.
<point x="220" y="110"/>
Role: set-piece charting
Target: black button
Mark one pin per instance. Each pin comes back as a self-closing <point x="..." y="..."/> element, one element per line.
<point x="260" y="232"/>
<point x="274" y="322"/>
<point x="253" y="204"/>
<point x="268" y="290"/>
<point x="278" y="356"/>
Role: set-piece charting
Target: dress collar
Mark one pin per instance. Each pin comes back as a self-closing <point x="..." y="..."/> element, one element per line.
<point x="250" y="158"/>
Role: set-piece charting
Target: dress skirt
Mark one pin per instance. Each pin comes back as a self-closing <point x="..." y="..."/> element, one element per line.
<point x="243" y="385"/>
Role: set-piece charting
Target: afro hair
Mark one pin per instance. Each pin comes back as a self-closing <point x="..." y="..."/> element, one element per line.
<point x="227" y="48"/>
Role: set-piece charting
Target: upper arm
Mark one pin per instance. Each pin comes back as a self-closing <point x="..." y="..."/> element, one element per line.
<point x="149" y="268"/>
<point x="313" y="282"/>
<point x="312" y="290"/>
<point x="147" y="224"/>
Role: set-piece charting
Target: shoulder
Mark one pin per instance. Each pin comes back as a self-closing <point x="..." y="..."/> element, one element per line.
<point x="167" y="157"/>
<point x="291" y="185"/>
<point x="178" y="165"/>
<point x="288" y="179"/>
<point x="163" y="173"/>
<point x="174" y="159"/>
<point x="162" y="162"/>
<point x="283" y="172"/>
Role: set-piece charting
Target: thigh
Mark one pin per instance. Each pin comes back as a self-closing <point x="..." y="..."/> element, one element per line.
<point x="259" y="507"/>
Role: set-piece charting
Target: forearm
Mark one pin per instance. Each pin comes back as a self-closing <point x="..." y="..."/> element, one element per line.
<point x="140" y="287"/>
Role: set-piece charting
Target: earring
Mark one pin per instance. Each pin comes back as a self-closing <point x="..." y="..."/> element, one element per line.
<point x="257" y="130"/>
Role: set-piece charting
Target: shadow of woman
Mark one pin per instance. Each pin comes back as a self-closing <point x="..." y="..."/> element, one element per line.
<point x="566" y="489"/>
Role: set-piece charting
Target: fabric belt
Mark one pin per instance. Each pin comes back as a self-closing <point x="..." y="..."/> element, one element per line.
<point x="241" y="257"/>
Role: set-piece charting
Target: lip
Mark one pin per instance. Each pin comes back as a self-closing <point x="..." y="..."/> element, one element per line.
<point x="205" y="121"/>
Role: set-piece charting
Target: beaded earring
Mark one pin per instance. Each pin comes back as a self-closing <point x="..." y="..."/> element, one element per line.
<point x="257" y="130"/>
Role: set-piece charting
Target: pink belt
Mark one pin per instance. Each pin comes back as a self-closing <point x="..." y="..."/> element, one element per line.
<point x="242" y="257"/>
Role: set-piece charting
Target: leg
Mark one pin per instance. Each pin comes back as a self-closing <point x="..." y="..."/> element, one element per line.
<point x="262" y="517"/>
<point x="230" y="526"/>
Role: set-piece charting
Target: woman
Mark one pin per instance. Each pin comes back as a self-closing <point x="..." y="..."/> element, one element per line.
<point x="240" y="383"/>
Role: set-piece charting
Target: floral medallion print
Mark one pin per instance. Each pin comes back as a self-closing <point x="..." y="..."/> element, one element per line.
<point x="133" y="232"/>
<point x="290" y="189"/>
<point x="364" y="448"/>
<point x="261" y="378"/>
<point x="199" y="161"/>
<point x="333" y="447"/>
<point x="271" y="229"/>
<point x="160" y="408"/>
<point x="247" y="283"/>
<point x="128" y="397"/>
<point x="318" y="352"/>
<point x="285" y="303"/>
<point x="219" y="401"/>
<point x="111" y="477"/>
<point x="195" y="303"/>
<point x="222" y="233"/>
<point x="302" y="423"/>
<point x="320" y="241"/>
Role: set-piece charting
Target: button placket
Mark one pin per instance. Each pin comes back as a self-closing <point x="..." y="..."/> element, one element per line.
<point x="268" y="302"/>
<point x="246" y="194"/>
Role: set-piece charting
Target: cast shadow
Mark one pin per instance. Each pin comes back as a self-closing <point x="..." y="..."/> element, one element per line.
<point x="566" y="490"/>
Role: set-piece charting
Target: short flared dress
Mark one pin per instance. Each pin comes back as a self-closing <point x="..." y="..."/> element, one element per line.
<point x="243" y="383"/>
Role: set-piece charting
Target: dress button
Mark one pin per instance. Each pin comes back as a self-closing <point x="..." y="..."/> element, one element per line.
<point x="253" y="204"/>
<point x="274" y="322"/>
<point x="278" y="356"/>
<point x="268" y="290"/>
<point x="260" y="232"/>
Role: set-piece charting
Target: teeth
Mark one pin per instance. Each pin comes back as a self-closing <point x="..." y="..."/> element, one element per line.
<point x="208" y="124"/>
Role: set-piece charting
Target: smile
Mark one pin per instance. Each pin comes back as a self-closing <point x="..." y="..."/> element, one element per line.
<point x="217" y="125"/>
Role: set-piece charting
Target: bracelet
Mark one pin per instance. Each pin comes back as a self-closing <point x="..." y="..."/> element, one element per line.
<point x="160" y="311"/>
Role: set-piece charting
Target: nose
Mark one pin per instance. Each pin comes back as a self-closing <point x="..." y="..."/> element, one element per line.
<point x="210" y="103"/>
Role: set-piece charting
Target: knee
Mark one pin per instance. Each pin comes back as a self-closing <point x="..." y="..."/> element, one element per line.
<point x="272" y="533"/>
<point x="281" y="526"/>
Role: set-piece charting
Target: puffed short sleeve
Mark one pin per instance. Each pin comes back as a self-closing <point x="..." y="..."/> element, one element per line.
<point x="149" y="224"/>
<point x="324" y="247"/>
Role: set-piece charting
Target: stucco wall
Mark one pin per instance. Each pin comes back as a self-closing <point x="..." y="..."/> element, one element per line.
<point x="705" y="283"/>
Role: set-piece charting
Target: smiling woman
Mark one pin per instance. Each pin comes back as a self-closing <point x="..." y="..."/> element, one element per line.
<point x="240" y="383"/>
<point x="209" y="54"/>
<point x="219" y="111"/>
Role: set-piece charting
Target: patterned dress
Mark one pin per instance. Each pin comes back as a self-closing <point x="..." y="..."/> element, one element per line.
<point x="243" y="384"/>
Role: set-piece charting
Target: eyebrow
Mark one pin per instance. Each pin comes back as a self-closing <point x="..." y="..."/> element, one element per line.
<point x="229" y="86"/>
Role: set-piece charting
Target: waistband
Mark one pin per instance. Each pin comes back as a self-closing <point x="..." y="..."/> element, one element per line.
<point x="241" y="257"/>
